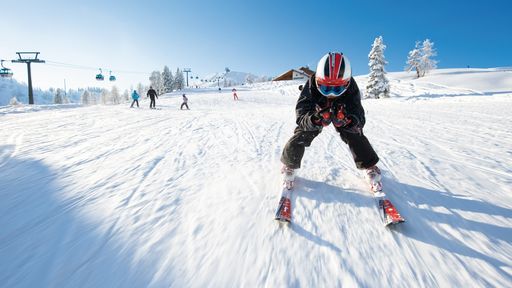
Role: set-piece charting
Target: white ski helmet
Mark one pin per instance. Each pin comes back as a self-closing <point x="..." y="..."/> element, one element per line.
<point x="333" y="74"/>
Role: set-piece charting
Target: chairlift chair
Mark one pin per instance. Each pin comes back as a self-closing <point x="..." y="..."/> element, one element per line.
<point x="4" y="71"/>
<point x="99" y="76"/>
<point x="112" y="77"/>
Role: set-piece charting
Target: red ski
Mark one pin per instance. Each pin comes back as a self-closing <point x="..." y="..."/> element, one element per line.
<point x="284" y="210"/>
<point x="387" y="210"/>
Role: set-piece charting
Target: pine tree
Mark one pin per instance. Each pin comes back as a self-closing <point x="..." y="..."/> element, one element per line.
<point x="378" y="84"/>
<point x="156" y="82"/>
<point x="85" y="99"/>
<point x="167" y="79"/>
<point x="126" y="95"/>
<point x="141" y="89"/>
<point x="114" y="95"/>
<point x="93" y="99"/>
<point x="58" y="97"/>
<point x="428" y="51"/>
<point x="414" y="60"/>
<point x="105" y="96"/>
<point x="179" y="80"/>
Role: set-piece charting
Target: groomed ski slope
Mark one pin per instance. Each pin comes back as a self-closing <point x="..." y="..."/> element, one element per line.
<point x="107" y="196"/>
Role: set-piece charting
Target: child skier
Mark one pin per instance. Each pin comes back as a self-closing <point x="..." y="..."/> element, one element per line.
<point x="135" y="97"/>
<point x="330" y="96"/>
<point x="185" y="100"/>
<point x="235" y="97"/>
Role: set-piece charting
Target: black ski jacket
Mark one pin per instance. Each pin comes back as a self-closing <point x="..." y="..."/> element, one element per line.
<point x="152" y="93"/>
<point x="310" y="101"/>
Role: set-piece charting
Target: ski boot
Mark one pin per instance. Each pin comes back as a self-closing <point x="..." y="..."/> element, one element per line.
<point x="374" y="178"/>
<point x="288" y="176"/>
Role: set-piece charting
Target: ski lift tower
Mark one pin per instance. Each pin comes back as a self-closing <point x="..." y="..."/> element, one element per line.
<point x="187" y="70"/>
<point x="28" y="58"/>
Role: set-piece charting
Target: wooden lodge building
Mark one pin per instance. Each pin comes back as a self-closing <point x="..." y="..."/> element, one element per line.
<point x="295" y="74"/>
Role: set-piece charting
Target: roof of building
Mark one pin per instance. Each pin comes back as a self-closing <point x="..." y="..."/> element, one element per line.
<point x="288" y="75"/>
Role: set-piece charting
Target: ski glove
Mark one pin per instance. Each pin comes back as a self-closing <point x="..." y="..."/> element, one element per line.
<point x="322" y="117"/>
<point x="354" y="126"/>
<point x="340" y="120"/>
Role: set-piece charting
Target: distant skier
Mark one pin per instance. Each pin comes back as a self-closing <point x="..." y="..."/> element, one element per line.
<point x="152" y="94"/>
<point x="235" y="96"/>
<point x="330" y="96"/>
<point x="185" y="100"/>
<point x="135" y="97"/>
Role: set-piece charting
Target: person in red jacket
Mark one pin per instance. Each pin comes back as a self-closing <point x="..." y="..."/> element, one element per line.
<point x="331" y="96"/>
<point x="235" y="96"/>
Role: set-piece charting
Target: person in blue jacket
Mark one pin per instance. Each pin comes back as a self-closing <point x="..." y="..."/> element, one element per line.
<point x="135" y="97"/>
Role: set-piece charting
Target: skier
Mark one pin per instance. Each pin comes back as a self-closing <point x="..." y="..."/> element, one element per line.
<point x="185" y="100"/>
<point x="330" y="96"/>
<point x="235" y="97"/>
<point x="152" y="94"/>
<point x="135" y="97"/>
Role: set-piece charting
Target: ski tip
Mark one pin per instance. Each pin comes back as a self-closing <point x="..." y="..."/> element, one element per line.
<point x="283" y="220"/>
<point x="394" y="223"/>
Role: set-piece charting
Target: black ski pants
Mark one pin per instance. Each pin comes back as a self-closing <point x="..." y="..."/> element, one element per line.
<point x="362" y="151"/>
<point x="153" y="102"/>
<point x="184" y="104"/>
<point x="135" y="101"/>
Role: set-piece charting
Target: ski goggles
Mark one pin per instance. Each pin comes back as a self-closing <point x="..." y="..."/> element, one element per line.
<point x="328" y="90"/>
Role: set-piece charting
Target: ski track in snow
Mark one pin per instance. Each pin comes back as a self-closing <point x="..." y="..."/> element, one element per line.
<point x="111" y="196"/>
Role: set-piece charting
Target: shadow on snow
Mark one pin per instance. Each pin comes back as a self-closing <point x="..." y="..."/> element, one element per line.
<point x="424" y="221"/>
<point x="45" y="242"/>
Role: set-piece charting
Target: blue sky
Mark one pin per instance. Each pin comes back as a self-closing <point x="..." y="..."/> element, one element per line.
<point x="263" y="37"/>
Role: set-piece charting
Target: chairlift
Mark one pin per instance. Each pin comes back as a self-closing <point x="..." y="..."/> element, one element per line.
<point x="112" y="77"/>
<point x="4" y="71"/>
<point x="99" y="76"/>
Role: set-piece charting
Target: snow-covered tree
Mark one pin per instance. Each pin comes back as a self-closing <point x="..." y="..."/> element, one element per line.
<point x="57" y="99"/>
<point x="157" y="82"/>
<point x="114" y="95"/>
<point x="14" y="102"/>
<point x="427" y="52"/>
<point x="414" y="60"/>
<point x="93" y="99"/>
<point x="141" y="90"/>
<point x="105" y="96"/>
<point x="419" y="58"/>
<point x="179" y="79"/>
<point x="250" y="79"/>
<point x="378" y="84"/>
<point x="85" y="98"/>
<point x="126" y="96"/>
<point x="167" y="79"/>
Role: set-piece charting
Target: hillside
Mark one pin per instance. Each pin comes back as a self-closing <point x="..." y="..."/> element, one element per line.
<point x="108" y="196"/>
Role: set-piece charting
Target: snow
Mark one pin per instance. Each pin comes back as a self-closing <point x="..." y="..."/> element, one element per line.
<point x="108" y="196"/>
